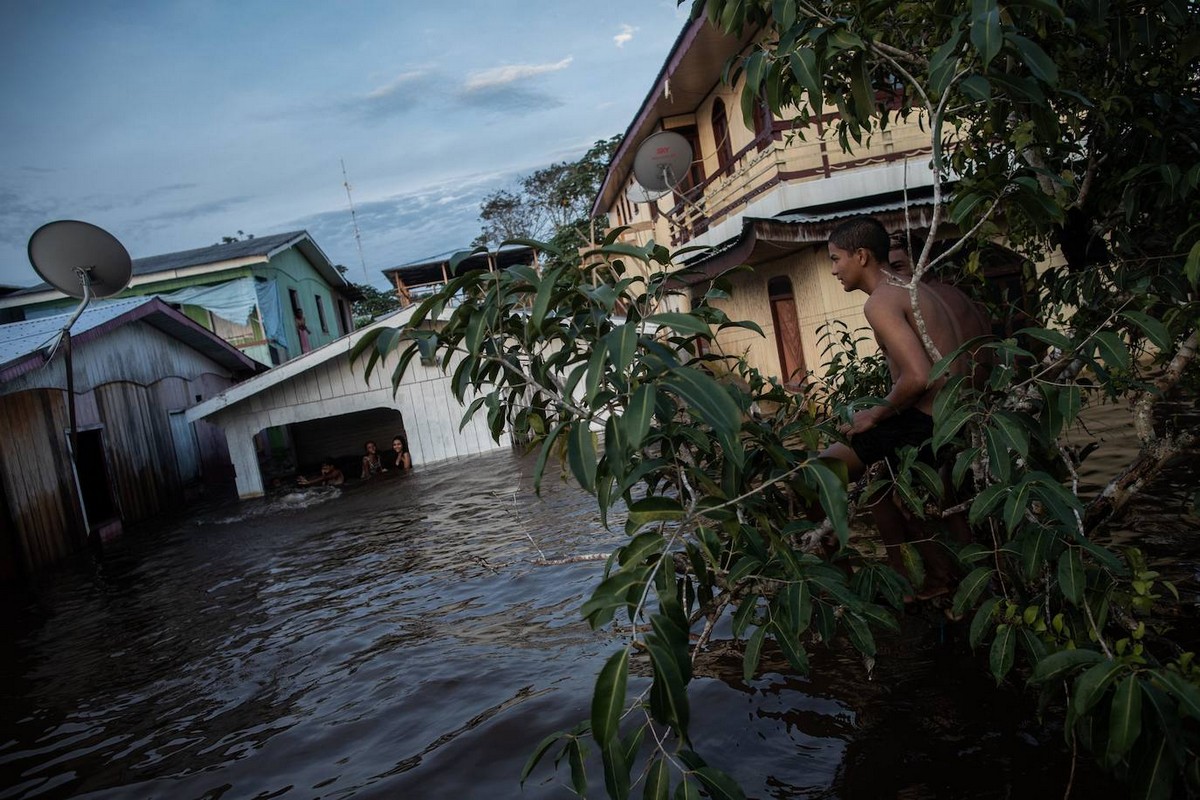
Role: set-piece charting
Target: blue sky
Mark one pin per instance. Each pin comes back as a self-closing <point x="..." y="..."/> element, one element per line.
<point x="172" y="123"/>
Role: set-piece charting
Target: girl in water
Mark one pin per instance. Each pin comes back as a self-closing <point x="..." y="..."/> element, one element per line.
<point x="403" y="459"/>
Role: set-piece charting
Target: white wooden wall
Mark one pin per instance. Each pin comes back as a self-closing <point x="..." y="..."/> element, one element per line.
<point x="431" y="413"/>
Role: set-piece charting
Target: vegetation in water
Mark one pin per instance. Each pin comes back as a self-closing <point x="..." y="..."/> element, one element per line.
<point x="1068" y="125"/>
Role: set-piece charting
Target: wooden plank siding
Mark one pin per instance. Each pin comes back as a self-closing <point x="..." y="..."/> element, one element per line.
<point x="36" y="477"/>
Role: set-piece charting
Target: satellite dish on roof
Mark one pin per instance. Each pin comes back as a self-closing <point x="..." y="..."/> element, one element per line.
<point x="80" y="259"/>
<point x="637" y="193"/>
<point x="662" y="161"/>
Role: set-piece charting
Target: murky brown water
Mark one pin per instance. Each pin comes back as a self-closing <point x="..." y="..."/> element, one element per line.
<point x="395" y="642"/>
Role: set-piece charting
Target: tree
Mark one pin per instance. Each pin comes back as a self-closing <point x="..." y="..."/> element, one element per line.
<point x="372" y="303"/>
<point x="1051" y="124"/>
<point x="553" y="203"/>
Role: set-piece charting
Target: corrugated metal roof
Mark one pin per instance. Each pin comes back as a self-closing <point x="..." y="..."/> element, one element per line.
<point x="261" y="247"/>
<point x="21" y="339"/>
<point x="21" y="343"/>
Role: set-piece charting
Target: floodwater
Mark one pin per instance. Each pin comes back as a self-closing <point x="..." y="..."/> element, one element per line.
<point x="395" y="640"/>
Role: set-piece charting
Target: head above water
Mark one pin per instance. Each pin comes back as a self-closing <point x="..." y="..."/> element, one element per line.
<point x="398" y="443"/>
<point x="371" y="446"/>
<point x="865" y="233"/>
<point x="327" y="464"/>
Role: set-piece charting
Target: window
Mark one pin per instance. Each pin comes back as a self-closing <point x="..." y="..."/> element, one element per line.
<point x="321" y="315"/>
<point x="720" y="129"/>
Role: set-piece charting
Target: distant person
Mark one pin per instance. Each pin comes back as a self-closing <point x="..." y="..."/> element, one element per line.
<point x="372" y="463"/>
<point x="330" y="475"/>
<point x="402" y="459"/>
<point x="859" y="249"/>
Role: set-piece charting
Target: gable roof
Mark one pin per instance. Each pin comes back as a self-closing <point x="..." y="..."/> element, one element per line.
<point x="214" y="258"/>
<point x="23" y="344"/>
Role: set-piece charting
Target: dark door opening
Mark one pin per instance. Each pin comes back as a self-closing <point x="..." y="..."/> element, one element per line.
<point x="91" y="470"/>
<point x="787" y="331"/>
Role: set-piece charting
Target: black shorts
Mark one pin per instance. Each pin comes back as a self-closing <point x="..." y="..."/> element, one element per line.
<point x="908" y="428"/>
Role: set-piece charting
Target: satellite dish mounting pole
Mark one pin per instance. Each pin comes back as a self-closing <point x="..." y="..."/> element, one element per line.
<point x="58" y="251"/>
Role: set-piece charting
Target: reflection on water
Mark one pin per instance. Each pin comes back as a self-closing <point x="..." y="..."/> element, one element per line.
<point x="394" y="640"/>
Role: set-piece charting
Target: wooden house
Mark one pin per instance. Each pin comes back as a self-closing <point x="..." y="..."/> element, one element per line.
<point x="136" y="365"/>
<point x="416" y="281"/>
<point x="330" y="409"/>
<point x="272" y="297"/>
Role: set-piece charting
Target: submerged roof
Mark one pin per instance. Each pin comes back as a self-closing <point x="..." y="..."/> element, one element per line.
<point x="23" y="345"/>
<point x="218" y="257"/>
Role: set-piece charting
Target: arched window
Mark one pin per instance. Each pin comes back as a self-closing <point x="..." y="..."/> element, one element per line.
<point x="720" y="129"/>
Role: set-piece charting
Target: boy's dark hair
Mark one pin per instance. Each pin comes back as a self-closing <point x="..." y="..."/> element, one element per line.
<point x="864" y="232"/>
<point x="900" y="240"/>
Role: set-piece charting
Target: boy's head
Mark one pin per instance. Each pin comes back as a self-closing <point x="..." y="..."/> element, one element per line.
<point x="862" y="232"/>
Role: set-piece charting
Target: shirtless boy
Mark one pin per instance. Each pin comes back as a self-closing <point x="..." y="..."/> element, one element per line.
<point x="859" y="251"/>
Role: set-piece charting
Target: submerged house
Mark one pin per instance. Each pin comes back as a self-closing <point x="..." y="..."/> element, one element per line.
<point x="272" y="297"/>
<point x="329" y="408"/>
<point x="131" y="370"/>
<point x="766" y="195"/>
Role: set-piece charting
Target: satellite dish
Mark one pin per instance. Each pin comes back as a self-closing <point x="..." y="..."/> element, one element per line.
<point x="640" y="194"/>
<point x="80" y="259"/>
<point x="661" y="161"/>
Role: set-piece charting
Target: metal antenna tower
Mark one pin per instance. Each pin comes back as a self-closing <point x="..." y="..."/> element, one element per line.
<point x="354" y="220"/>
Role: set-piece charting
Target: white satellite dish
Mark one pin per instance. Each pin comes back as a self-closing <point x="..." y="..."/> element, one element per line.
<point x="80" y="259"/>
<point x="662" y="161"/>
<point x="637" y="193"/>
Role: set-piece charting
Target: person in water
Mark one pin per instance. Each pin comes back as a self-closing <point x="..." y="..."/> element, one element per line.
<point x="859" y="249"/>
<point x="372" y="463"/>
<point x="330" y="475"/>
<point x="402" y="459"/>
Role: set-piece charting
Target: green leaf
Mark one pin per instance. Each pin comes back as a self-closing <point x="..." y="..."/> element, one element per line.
<point x="1000" y="659"/>
<point x="982" y="621"/>
<point x="970" y="588"/>
<point x="616" y="771"/>
<point x="1155" y="331"/>
<point x="652" y="509"/>
<point x="638" y="415"/>
<point x="753" y="653"/>
<point x="1035" y="58"/>
<point x="1191" y="268"/>
<point x="713" y="404"/>
<point x="608" y="698"/>
<point x="547" y="447"/>
<point x="719" y="785"/>
<point x="1156" y="772"/>
<point x="793" y="651"/>
<point x="985" y="501"/>
<point x="595" y="375"/>
<point x="537" y="754"/>
<point x="622" y="344"/>
<point x="1071" y="576"/>
<point x="860" y="87"/>
<point x="1093" y="683"/>
<point x="943" y="65"/>
<point x="1125" y="719"/>
<point x="832" y="492"/>
<point x="658" y="781"/>
<point x="1112" y="349"/>
<point x="1059" y="664"/>
<point x="1186" y="692"/>
<point x="578" y="772"/>
<point x="686" y="324"/>
<point x="985" y="29"/>
<point x="807" y="73"/>
<point x="668" y="692"/>
<point x="541" y="303"/>
<point x="581" y="454"/>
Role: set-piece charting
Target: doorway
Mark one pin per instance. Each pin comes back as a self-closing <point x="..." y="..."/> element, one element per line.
<point x="787" y="331"/>
<point x="91" y="473"/>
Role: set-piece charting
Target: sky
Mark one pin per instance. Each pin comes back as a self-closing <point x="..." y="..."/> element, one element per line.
<point x="173" y="123"/>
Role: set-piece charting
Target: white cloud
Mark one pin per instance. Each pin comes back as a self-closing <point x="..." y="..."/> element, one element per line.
<point x="401" y="82"/>
<point x="500" y="76"/>
<point x="625" y="35"/>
